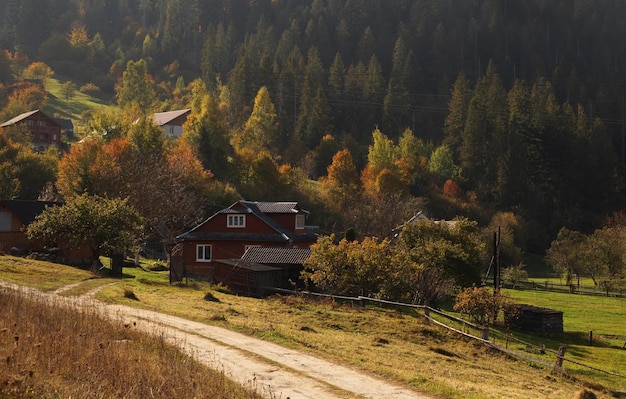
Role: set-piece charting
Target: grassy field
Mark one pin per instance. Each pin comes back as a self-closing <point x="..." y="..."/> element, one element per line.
<point x="398" y="346"/>
<point x="75" y="107"/>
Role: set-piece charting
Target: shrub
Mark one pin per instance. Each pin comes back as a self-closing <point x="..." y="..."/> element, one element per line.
<point x="481" y="304"/>
<point x="130" y="294"/>
<point x="89" y="88"/>
<point x="210" y="297"/>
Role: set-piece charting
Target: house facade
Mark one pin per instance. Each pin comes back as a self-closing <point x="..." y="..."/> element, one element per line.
<point x="213" y="248"/>
<point x="45" y="130"/>
<point x="172" y="121"/>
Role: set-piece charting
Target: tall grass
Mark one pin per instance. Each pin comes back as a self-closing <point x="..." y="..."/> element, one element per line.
<point x="69" y="352"/>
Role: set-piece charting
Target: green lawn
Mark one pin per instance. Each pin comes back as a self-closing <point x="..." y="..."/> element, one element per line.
<point x="581" y="313"/>
<point x="73" y="108"/>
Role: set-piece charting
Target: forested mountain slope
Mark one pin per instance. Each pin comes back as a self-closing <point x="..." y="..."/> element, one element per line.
<point x="518" y="103"/>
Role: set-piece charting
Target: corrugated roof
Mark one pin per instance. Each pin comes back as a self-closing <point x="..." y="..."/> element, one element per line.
<point x="276" y="256"/>
<point x="162" y="118"/>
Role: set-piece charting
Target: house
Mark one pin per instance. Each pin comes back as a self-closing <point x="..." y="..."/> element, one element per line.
<point x="216" y="247"/>
<point x="67" y="128"/>
<point x="172" y="121"/>
<point x="15" y="215"/>
<point x="45" y="130"/>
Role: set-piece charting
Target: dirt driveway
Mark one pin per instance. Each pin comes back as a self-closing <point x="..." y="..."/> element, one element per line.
<point x="275" y="371"/>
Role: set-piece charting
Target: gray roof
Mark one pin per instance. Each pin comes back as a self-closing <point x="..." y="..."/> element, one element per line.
<point x="276" y="256"/>
<point x="163" y="118"/>
<point x="19" y="118"/>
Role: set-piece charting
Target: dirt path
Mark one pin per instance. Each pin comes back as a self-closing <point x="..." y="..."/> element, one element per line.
<point x="275" y="371"/>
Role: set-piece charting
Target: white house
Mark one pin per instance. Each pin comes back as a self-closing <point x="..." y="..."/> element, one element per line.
<point x="172" y="121"/>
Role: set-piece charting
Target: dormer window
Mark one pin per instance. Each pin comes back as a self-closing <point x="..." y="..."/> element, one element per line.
<point x="300" y="220"/>
<point x="237" y="221"/>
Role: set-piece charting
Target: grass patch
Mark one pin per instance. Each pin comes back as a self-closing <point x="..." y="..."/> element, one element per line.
<point x="41" y="275"/>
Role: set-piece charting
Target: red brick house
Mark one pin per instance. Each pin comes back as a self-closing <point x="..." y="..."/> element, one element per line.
<point x="212" y="248"/>
<point x="45" y="131"/>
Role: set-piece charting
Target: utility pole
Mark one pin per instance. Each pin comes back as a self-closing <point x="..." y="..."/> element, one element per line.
<point x="496" y="262"/>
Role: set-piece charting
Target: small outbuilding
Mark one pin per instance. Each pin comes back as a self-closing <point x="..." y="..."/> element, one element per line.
<point x="535" y="319"/>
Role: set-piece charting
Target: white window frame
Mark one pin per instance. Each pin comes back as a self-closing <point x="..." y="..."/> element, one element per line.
<point x="201" y="257"/>
<point x="300" y="221"/>
<point x="237" y="221"/>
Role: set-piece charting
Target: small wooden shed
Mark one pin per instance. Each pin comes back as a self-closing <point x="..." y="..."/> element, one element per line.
<point x="535" y="319"/>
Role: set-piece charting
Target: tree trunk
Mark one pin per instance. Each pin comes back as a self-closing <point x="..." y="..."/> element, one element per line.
<point x="117" y="263"/>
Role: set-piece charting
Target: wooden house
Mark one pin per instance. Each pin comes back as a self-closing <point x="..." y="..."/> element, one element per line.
<point x="15" y="215"/>
<point x="172" y="121"/>
<point x="45" y="130"/>
<point x="216" y="247"/>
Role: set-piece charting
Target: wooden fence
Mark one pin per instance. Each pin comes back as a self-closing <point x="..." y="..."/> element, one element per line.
<point x="465" y="328"/>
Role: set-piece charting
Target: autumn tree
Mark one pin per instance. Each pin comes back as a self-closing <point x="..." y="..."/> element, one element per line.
<point x="143" y="163"/>
<point x="136" y="86"/>
<point x="38" y="71"/>
<point x="207" y="130"/>
<point x="566" y="255"/>
<point x="342" y="185"/>
<point x="106" y="226"/>
<point x="347" y="268"/>
<point x="23" y="173"/>
<point x="259" y="132"/>
<point x="75" y="169"/>
<point x="68" y="89"/>
<point x="445" y="255"/>
<point x="481" y="304"/>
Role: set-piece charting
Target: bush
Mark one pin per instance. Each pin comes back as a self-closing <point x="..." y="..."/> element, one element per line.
<point x="89" y="88"/>
<point x="481" y="304"/>
<point x="130" y="294"/>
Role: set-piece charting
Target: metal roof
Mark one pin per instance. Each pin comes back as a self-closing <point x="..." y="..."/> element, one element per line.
<point x="276" y="256"/>
<point x="162" y="118"/>
<point x="19" y="118"/>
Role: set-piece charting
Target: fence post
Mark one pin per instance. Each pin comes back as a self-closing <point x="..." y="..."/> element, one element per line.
<point x="427" y="314"/>
<point x="558" y="365"/>
<point x="485" y="332"/>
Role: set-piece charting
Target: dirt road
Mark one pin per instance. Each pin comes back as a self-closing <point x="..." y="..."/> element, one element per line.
<point x="275" y="371"/>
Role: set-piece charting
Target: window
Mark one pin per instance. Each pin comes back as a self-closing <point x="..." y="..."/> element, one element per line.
<point x="5" y="221"/>
<point x="300" y="219"/>
<point x="203" y="253"/>
<point x="41" y="123"/>
<point x="236" y="220"/>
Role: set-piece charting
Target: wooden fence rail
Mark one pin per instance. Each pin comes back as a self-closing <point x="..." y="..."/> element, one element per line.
<point x="484" y="338"/>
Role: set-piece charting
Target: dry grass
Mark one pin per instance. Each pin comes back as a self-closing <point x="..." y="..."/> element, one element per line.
<point x="59" y="352"/>
<point x="397" y="346"/>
